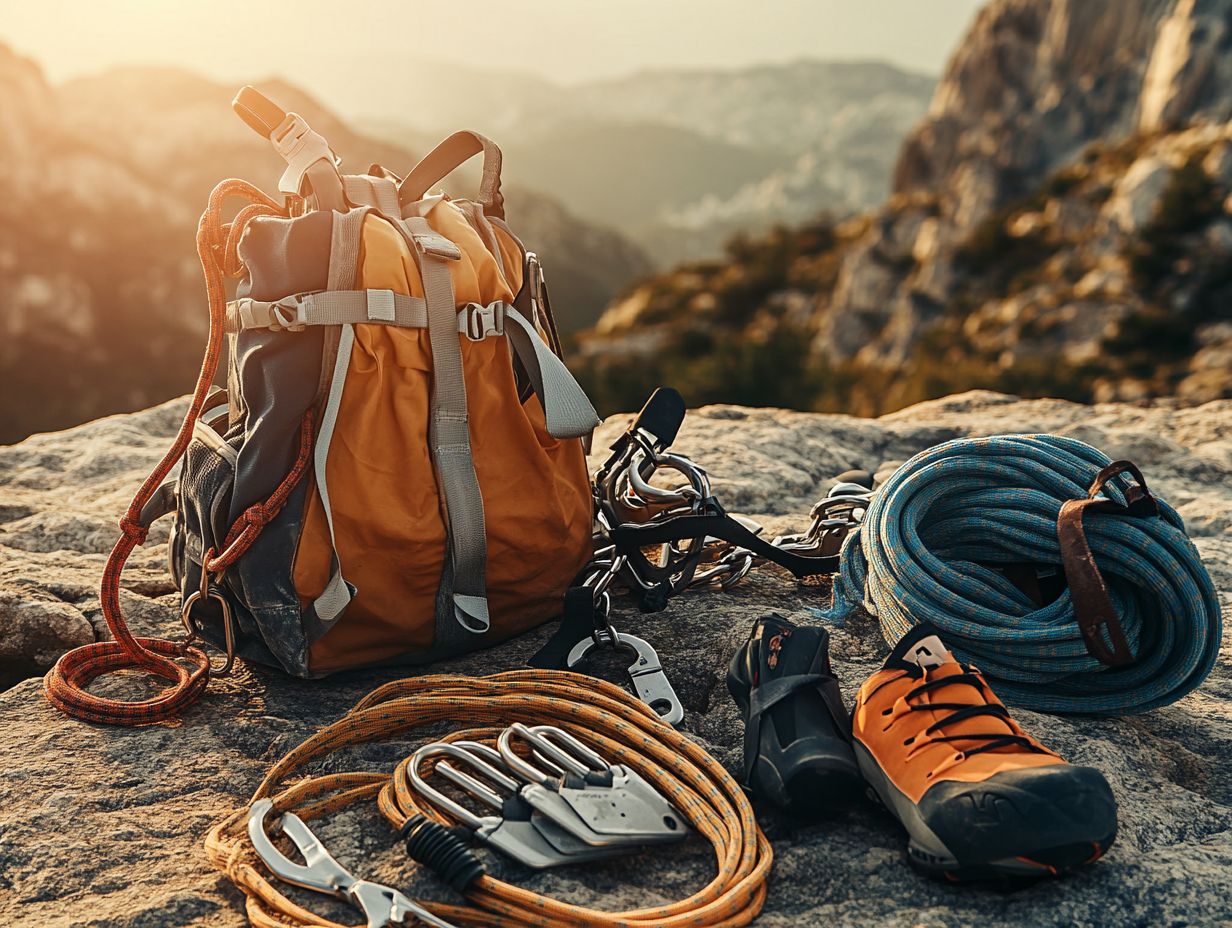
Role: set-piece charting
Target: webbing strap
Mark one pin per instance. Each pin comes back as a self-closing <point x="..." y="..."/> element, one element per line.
<point x="449" y="437"/>
<point x="328" y="307"/>
<point x="337" y="593"/>
<point x="566" y="408"/>
<point x="381" y="193"/>
<point x="344" y="250"/>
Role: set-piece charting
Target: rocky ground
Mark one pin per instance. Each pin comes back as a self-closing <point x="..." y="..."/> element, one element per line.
<point x="103" y="827"/>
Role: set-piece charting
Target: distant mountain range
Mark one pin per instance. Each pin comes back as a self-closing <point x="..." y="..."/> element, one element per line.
<point x="679" y="160"/>
<point x="102" y="306"/>
<point x="1060" y="224"/>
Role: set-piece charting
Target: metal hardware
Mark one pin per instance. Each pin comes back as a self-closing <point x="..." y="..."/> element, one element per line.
<point x="650" y="683"/>
<point x="600" y="803"/>
<point x="517" y="831"/>
<point x="203" y="593"/>
<point x="382" y="905"/>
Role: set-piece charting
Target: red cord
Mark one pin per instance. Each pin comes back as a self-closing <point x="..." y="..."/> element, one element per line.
<point x="67" y="682"/>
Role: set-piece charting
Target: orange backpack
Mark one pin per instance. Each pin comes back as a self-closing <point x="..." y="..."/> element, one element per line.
<point x="395" y="472"/>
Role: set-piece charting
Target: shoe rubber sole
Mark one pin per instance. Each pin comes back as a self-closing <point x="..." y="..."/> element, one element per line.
<point x="1015" y="826"/>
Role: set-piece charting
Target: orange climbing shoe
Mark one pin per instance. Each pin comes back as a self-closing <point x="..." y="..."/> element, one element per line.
<point x="979" y="796"/>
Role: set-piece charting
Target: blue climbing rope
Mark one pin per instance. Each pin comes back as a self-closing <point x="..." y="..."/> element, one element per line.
<point x="933" y="533"/>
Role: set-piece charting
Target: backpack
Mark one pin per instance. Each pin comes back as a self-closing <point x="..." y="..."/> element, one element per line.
<point x="395" y="471"/>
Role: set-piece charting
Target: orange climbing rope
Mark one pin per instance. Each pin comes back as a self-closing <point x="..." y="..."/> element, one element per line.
<point x="621" y="728"/>
<point x="186" y="667"/>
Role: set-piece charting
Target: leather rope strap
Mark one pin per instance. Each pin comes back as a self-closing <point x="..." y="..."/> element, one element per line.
<point x="621" y="728"/>
<point x="66" y="684"/>
<point x="1093" y="607"/>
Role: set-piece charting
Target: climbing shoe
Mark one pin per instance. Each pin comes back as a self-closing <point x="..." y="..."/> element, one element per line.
<point x="978" y="795"/>
<point x="797" y="753"/>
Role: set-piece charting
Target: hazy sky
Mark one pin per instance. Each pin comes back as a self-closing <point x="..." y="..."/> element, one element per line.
<point x="567" y="40"/>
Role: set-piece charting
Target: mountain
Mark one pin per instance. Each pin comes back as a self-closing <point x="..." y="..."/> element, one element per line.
<point x="102" y="306"/>
<point x="1060" y="224"/>
<point x="681" y="159"/>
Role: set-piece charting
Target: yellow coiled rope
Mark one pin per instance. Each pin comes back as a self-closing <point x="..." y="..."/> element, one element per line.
<point x="621" y="728"/>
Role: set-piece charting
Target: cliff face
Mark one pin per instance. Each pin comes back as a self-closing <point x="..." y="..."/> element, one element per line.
<point x="101" y="184"/>
<point x="1059" y="226"/>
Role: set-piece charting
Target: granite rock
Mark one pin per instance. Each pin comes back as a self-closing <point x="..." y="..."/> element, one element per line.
<point x="103" y="826"/>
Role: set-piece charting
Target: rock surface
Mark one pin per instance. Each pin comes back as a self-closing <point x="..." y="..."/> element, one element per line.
<point x="103" y="827"/>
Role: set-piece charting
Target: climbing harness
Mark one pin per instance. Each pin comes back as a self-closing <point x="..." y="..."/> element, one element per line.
<point x="557" y="724"/>
<point x="986" y="538"/>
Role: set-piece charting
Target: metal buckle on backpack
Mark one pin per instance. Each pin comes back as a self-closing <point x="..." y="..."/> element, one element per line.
<point x="482" y="321"/>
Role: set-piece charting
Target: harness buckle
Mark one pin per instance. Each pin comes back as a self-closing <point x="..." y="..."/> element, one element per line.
<point x="480" y="321"/>
<point x="286" y="314"/>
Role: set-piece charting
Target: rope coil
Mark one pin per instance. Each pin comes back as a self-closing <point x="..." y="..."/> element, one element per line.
<point x="606" y="718"/>
<point x="66" y="684"/>
<point x="936" y="530"/>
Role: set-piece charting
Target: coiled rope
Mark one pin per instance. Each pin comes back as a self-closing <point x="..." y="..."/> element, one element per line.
<point x="66" y="684"/>
<point x="936" y="529"/>
<point x="620" y="727"/>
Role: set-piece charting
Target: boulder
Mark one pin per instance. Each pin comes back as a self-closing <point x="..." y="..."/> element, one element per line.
<point x="103" y="826"/>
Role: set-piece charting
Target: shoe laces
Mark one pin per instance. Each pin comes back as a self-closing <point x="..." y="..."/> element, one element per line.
<point x="980" y="742"/>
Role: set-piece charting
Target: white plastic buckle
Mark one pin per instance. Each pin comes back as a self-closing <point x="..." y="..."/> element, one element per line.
<point x="287" y="314"/>
<point x="301" y="148"/>
<point x="477" y="321"/>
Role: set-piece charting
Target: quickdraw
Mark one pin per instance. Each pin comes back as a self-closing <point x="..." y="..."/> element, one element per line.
<point x="660" y="531"/>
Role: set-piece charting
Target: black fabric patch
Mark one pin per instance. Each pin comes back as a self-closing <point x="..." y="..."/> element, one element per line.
<point x="278" y="374"/>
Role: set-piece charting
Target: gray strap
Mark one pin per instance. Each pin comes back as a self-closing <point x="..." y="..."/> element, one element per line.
<point x="344" y="247"/>
<point x="337" y="594"/>
<point x="344" y="241"/>
<point x="566" y="408"/>
<point x="449" y="436"/>
<point x="356" y="307"/>
<point x="380" y="193"/>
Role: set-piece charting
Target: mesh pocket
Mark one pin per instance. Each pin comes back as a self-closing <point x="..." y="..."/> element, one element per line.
<point x="205" y="496"/>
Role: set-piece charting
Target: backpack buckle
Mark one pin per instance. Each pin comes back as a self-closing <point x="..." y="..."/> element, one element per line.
<point x="285" y="314"/>
<point x="301" y="148"/>
<point x="477" y="321"/>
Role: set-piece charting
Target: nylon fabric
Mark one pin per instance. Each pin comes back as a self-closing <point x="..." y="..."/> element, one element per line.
<point x="537" y="515"/>
<point x="935" y="531"/>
